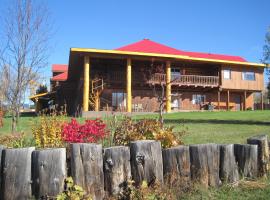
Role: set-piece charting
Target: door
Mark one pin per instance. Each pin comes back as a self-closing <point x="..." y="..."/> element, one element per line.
<point x="238" y="102"/>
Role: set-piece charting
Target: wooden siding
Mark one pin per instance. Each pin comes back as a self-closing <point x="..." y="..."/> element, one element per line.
<point x="237" y="83"/>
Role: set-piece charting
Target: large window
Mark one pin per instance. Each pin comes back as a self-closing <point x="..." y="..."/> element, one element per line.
<point x="248" y="76"/>
<point x="227" y="74"/>
<point x="119" y="99"/>
<point x="175" y="73"/>
<point x="198" y="99"/>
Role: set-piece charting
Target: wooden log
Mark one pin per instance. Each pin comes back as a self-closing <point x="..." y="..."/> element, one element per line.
<point x="146" y="162"/>
<point x="263" y="153"/>
<point x="1" y="150"/>
<point x="48" y="172"/>
<point x="247" y="159"/>
<point x="176" y="165"/>
<point x="204" y="160"/>
<point x="87" y="168"/>
<point x="16" y="174"/>
<point x="228" y="166"/>
<point x="117" y="171"/>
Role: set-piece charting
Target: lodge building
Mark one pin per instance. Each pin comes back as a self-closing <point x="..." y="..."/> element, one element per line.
<point x="131" y="78"/>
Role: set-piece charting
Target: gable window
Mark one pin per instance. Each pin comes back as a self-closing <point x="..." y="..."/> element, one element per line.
<point x="198" y="99"/>
<point x="227" y="74"/>
<point x="175" y="73"/>
<point x="248" y="76"/>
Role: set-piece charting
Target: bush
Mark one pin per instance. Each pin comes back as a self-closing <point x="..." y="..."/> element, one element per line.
<point x="47" y="131"/>
<point x="90" y="131"/>
<point x="16" y="140"/>
<point x="146" y="129"/>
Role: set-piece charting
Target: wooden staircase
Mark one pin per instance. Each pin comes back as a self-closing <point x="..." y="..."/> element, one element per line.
<point x="97" y="87"/>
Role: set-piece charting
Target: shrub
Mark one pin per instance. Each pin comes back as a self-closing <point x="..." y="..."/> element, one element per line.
<point x="16" y="140"/>
<point x="146" y="129"/>
<point x="47" y="131"/>
<point x="72" y="192"/>
<point x="90" y="131"/>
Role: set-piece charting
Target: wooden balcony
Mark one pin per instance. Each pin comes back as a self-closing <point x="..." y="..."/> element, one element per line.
<point x="186" y="80"/>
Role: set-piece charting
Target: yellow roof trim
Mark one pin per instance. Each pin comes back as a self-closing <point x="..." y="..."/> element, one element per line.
<point x="131" y="53"/>
<point x="38" y="95"/>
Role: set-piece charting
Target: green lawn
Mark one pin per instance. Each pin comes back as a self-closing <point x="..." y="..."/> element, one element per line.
<point x="202" y="127"/>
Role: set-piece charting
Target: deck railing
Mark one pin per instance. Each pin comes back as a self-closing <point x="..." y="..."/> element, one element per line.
<point x="188" y="80"/>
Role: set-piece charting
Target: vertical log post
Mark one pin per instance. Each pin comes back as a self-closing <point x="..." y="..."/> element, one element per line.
<point x="245" y="100"/>
<point x="146" y="162"/>
<point x="16" y="174"/>
<point x="228" y="100"/>
<point x="262" y="100"/>
<point x="117" y="171"/>
<point x="168" y="86"/>
<point x="87" y="168"/>
<point x="176" y="165"/>
<point x="228" y="166"/>
<point x="263" y="153"/>
<point x="247" y="158"/>
<point x="128" y="89"/>
<point x="86" y="80"/>
<point x="48" y="172"/>
<point x="218" y="100"/>
<point x="204" y="160"/>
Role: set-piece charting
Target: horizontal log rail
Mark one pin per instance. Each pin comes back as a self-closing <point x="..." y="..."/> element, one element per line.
<point x="189" y="80"/>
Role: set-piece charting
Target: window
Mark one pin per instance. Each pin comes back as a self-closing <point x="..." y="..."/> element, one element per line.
<point x="227" y="74"/>
<point x="248" y="76"/>
<point x="118" y="99"/>
<point x="198" y="99"/>
<point x="175" y="73"/>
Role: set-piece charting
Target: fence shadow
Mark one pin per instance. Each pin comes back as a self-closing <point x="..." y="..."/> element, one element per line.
<point x="217" y="121"/>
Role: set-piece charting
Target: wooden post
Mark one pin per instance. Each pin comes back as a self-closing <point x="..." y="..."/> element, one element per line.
<point x="16" y="174"/>
<point x="97" y="101"/>
<point x="128" y="89"/>
<point x="48" y="172"/>
<point x="146" y="162"/>
<point x="262" y="100"/>
<point x="87" y="168"/>
<point x="218" y="100"/>
<point x="263" y="153"/>
<point x="245" y="100"/>
<point x="204" y="160"/>
<point x="168" y="86"/>
<point x="86" y="83"/>
<point x="176" y="165"/>
<point x="228" y="100"/>
<point x="247" y="158"/>
<point x="117" y="171"/>
<point x="228" y="167"/>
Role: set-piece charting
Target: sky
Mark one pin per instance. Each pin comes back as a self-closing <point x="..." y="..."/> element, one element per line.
<point x="233" y="27"/>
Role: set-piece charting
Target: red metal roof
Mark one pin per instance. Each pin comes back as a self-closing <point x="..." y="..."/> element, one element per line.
<point x="148" y="46"/>
<point x="59" y="68"/>
<point x="60" y="77"/>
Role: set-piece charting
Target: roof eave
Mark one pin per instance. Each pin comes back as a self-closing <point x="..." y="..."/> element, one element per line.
<point x="169" y="56"/>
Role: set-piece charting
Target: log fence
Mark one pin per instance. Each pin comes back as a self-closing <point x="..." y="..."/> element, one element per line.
<point x="27" y="173"/>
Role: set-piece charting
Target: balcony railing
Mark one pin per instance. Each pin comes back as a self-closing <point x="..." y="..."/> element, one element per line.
<point x="186" y="80"/>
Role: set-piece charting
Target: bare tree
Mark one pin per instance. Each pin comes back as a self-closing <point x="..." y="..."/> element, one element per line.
<point x="26" y="34"/>
<point x="155" y="76"/>
<point x="266" y="48"/>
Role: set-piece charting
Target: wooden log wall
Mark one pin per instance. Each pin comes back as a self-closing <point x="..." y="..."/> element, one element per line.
<point x="26" y="172"/>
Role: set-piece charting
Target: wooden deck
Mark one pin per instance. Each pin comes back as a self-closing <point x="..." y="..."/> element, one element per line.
<point x="186" y="80"/>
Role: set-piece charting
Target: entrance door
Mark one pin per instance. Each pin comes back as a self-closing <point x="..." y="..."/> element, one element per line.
<point x="237" y="102"/>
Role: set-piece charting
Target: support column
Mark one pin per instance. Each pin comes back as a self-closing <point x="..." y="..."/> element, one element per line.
<point x="228" y="100"/>
<point x="168" y="86"/>
<point x="245" y="100"/>
<point x="218" y="100"/>
<point x="262" y="100"/>
<point x="129" y="91"/>
<point x="86" y="83"/>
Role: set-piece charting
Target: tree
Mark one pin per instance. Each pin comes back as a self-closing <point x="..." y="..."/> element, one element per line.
<point x="266" y="48"/>
<point x="24" y="53"/>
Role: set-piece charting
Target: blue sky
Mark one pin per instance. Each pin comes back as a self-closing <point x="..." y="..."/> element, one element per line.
<point x="234" y="27"/>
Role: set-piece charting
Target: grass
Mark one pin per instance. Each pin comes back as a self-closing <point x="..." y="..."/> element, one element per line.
<point x="202" y="127"/>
